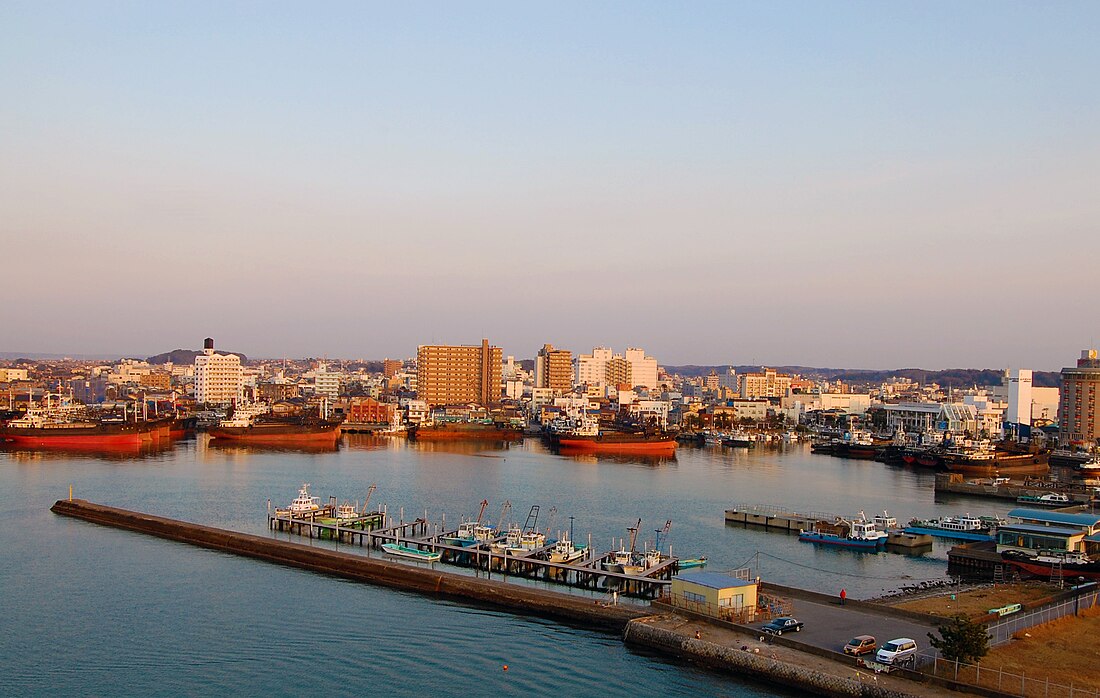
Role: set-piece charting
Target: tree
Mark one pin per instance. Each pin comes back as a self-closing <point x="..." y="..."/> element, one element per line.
<point x="961" y="639"/>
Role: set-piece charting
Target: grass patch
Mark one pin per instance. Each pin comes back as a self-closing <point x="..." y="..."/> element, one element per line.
<point x="976" y="603"/>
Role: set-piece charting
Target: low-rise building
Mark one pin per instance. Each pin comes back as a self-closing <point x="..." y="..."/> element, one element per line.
<point x="715" y="594"/>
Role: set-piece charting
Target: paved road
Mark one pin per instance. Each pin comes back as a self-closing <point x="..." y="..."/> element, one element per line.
<point x="830" y="625"/>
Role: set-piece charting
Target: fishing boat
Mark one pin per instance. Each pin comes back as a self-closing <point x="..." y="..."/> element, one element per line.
<point x="739" y="439"/>
<point x="565" y="551"/>
<point x="965" y="527"/>
<point x="470" y="533"/>
<point x="1045" y="563"/>
<point x="861" y="534"/>
<point x="398" y="550"/>
<point x="688" y="563"/>
<point x="1049" y="499"/>
<point x="304" y="503"/>
<point x="346" y="511"/>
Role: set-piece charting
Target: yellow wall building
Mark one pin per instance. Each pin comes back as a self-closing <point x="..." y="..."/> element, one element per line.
<point x="715" y="594"/>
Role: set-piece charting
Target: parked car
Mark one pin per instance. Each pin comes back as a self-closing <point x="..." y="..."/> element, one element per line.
<point x="860" y="645"/>
<point x="897" y="652"/>
<point x="783" y="625"/>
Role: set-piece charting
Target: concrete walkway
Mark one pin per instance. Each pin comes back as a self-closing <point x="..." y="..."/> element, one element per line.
<point x="687" y="628"/>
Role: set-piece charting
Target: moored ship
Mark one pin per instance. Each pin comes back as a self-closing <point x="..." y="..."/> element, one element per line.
<point x="465" y="431"/>
<point x="965" y="527"/>
<point x="589" y="437"/>
<point x="251" y="425"/>
<point x="1070" y="564"/>
<point x="73" y="426"/>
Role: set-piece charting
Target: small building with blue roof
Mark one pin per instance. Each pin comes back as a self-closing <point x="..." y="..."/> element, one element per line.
<point x="1038" y="529"/>
<point x="715" y="594"/>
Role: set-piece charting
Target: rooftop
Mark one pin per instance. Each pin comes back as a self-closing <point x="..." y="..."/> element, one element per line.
<point x="714" y="580"/>
<point x="1055" y="517"/>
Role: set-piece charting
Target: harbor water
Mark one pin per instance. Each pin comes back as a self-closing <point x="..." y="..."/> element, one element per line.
<point x="97" y="611"/>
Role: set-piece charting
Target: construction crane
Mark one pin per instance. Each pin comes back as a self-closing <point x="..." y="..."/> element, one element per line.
<point x="484" y="503"/>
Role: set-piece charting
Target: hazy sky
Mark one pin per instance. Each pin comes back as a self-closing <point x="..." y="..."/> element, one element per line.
<point x="877" y="184"/>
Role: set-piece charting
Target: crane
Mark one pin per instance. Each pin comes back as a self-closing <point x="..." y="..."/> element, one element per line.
<point x="551" y="516"/>
<point x="532" y="522"/>
<point x="504" y="508"/>
<point x="660" y="532"/>
<point x="634" y="535"/>
<point x="370" y="491"/>
<point x="484" y="503"/>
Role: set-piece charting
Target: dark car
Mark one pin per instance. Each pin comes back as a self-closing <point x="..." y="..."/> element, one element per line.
<point x="783" y="625"/>
<point x="860" y="645"/>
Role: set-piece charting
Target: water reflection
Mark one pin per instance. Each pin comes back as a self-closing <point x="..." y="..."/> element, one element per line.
<point x="25" y="454"/>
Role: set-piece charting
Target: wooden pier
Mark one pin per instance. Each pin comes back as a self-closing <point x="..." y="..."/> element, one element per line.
<point x="370" y="531"/>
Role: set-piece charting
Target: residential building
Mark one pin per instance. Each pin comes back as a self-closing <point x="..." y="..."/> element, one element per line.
<point x="391" y="367"/>
<point x="1077" y="415"/>
<point x="618" y="372"/>
<point x="451" y="374"/>
<point x="554" y="369"/>
<point x="326" y="382"/>
<point x="218" y="377"/>
<point x="769" y="383"/>
<point x="643" y="369"/>
<point x="592" y="368"/>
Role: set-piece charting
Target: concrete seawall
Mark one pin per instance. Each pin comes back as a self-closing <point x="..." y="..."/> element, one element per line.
<point x="512" y="597"/>
<point x="642" y="632"/>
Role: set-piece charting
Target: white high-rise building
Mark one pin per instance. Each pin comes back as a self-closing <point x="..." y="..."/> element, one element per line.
<point x="218" y="377"/>
<point x="1019" y="396"/>
<point x="643" y="369"/>
<point x="326" y="382"/>
<point x="592" y="368"/>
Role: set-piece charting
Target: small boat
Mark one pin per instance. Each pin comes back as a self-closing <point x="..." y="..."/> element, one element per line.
<point x="690" y="562"/>
<point x="346" y="511"/>
<point x="965" y="527"/>
<point x="398" y="550"/>
<point x="470" y="533"/>
<point x="303" y="503"/>
<point x="861" y="534"/>
<point x="1071" y="564"/>
<point x="1050" y="499"/>
<point x="564" y="551"/>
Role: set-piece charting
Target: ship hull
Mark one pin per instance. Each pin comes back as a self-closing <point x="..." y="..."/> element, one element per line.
<point x="465" y="432"/>
<point x="92" y="436"/>
<point x="1044" y="569"/>
<point x="665" y="446"/>
<point x="942" y="533"/>
<point x="819" y="539"/>
<point x="279" y="434"/>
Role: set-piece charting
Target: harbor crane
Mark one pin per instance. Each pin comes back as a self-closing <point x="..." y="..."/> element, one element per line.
<point x="484" y="503"/>
<point x="504" y="509"/>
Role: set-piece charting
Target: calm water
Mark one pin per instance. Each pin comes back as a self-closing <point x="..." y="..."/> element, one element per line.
<point x="96" y="611"/>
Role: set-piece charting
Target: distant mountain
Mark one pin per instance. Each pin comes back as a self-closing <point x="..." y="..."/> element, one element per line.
<point x="949" y="378"/>
<point x="187" y="356"/>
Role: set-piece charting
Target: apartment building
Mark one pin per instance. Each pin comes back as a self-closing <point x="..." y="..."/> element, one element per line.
<point x="554" y="369"/>
<point x="1077" y="416"/>
<point x="458" y="374"/>
<point x="218" y="377"/>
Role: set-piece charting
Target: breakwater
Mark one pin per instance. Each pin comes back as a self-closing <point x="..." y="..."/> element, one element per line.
<point x="513" y="597"/>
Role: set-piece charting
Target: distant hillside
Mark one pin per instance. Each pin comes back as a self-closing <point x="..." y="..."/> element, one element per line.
<point x="949" y="378"/>
<point x="187" y="356"/>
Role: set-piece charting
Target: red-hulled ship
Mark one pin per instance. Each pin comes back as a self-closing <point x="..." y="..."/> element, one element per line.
<point x="71" y="426"/>
<point x="588" y="437"/>
<point x="1042" y="564"/>
<point x="251" y="425"/>
<point x="465" y="431"/>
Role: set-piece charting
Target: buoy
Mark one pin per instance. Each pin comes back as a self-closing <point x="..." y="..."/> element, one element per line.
<point x="506" y="667"/>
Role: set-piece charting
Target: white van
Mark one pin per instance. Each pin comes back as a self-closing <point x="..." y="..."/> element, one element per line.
<point x="899" y="651"/>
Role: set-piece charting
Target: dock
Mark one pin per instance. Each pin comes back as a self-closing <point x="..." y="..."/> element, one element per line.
<point x="979" y="560"/>
<point x="989" y="487"/>
<point x="775" y="517"/>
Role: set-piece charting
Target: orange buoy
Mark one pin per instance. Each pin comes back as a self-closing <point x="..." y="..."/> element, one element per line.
<point x="506" y="667"/>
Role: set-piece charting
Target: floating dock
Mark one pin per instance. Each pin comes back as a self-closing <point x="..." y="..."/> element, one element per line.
<point x="771" y="516"/>
<point x="428" y="580"/>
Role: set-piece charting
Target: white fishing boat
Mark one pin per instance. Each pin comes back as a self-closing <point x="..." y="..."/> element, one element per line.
<point x="304" y="503"/>
<point x="564" y="551"/>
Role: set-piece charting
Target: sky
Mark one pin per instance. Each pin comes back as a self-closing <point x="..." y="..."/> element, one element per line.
<point x="844" y="184"/>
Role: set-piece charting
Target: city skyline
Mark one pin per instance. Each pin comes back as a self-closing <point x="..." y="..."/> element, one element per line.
<point x="847" y="185"/>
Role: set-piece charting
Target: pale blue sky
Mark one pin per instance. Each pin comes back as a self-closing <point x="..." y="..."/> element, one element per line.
<point x="846" y="184"/>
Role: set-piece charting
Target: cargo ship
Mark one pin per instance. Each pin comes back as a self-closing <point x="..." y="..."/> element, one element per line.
<point x="250" y="425"/>
<point x="465" y="431"/>
<point x="74" y="427"/>
<point x="588" y="437"/>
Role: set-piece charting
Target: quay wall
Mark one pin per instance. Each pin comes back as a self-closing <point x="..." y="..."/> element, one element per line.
<point x="756" y="666"/>
<point x="513" y="597"/>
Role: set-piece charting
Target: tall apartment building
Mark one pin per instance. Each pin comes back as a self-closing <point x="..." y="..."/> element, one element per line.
<point x="457" y="375"/>
<point x="391" y="367"/>
<point x="1019" y="396"/>
<point x="643" y="369"/>
<point x="1077" y="416"/>
<point x="618" y="372"/>
<point x="218" y="377"/>
<point x="326" y="382"/>
<point x="766" y="384"/>
<point x="554" y="369"/>
<point x="592" y="368"/>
